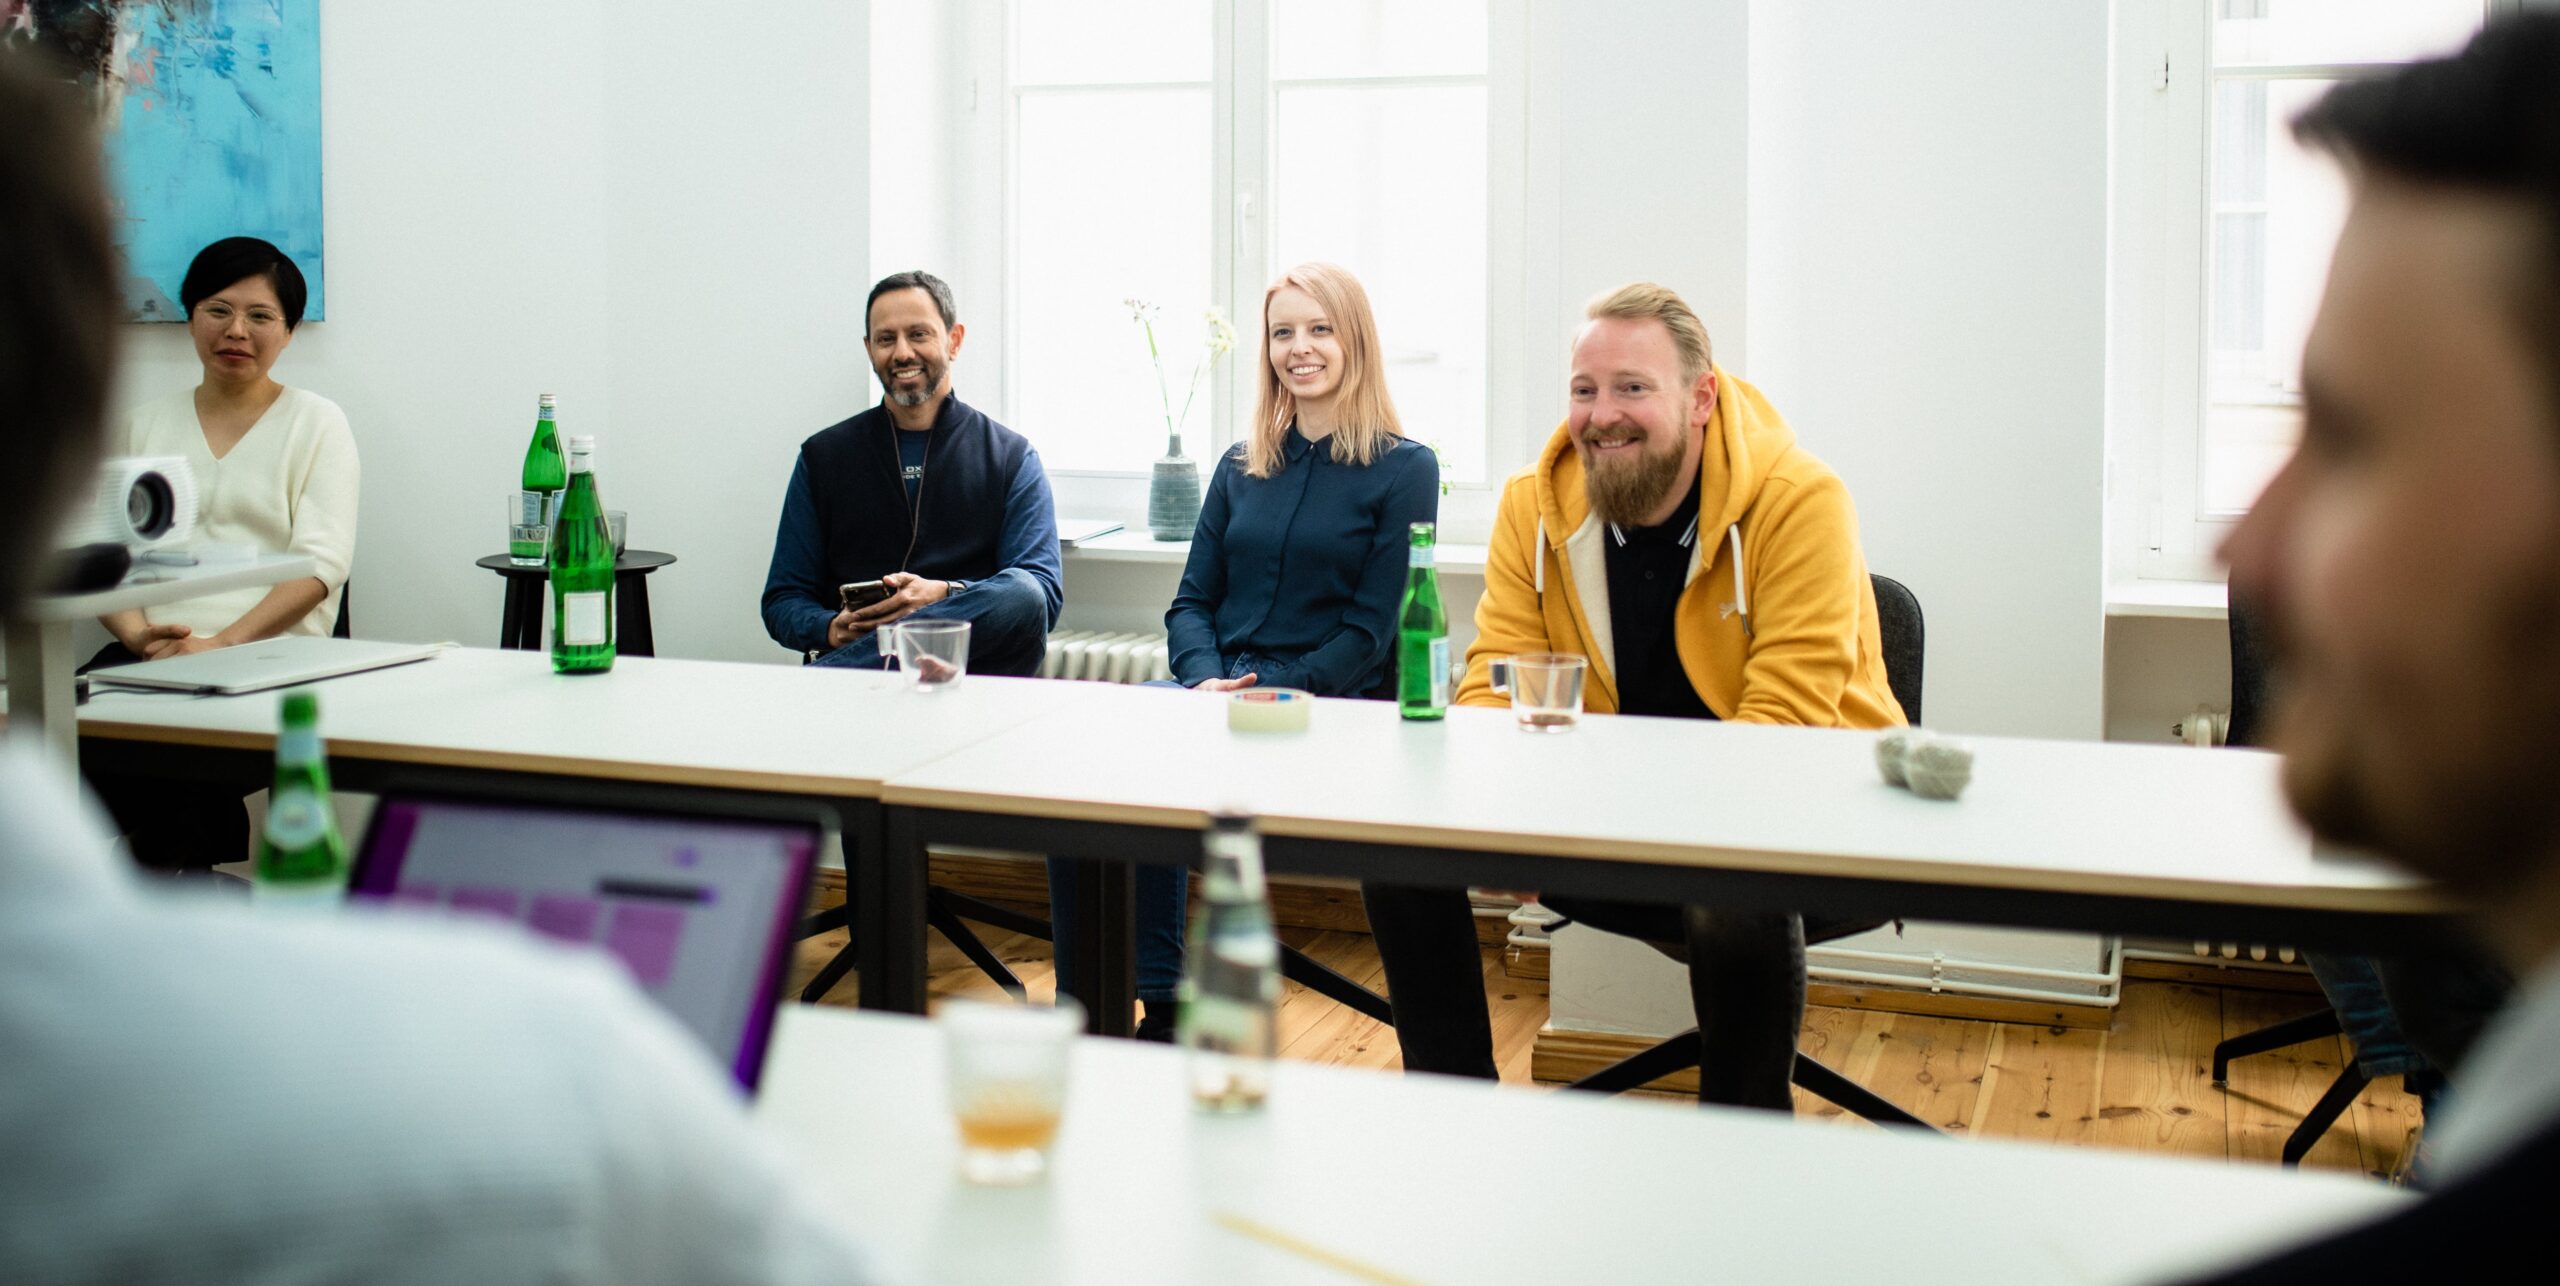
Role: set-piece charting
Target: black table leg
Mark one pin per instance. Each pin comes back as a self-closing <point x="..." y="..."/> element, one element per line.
<point x="520" y="626"/>
<point x="633" y="637"/>
<point x="884" y="862"/>
<point x="1106" y="965"/>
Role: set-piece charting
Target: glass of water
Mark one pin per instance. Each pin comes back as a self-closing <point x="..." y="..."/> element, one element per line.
<point x="1545" y="689"/>
<point x="934" y="654"/>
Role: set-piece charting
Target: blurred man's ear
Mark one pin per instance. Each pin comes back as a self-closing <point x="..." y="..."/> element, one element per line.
<point x="1702" y="399"/>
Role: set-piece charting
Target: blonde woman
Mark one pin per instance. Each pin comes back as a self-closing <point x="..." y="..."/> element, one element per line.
<point x="1298" y="564"/>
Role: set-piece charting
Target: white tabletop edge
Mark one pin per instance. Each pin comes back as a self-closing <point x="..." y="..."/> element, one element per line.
<point x="171" y="584"/>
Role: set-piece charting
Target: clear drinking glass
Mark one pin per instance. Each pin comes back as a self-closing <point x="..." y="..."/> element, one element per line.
<point x="620" y="521"/>
<point x="934" y="654"/>
<point x="526" y="542"/>
<point x="1545" y="689"/>
<point x="1007" y="1072"/>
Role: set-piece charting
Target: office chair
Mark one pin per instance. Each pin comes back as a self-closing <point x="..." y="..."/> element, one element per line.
<point x="2249" y="693"/>
<point x="1906" y="645"/>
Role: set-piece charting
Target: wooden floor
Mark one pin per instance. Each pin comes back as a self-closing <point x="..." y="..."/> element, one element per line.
<point x="2144" y="1084"/>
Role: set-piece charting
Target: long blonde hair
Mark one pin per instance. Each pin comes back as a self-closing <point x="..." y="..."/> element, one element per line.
<point x="1364" y="416"/>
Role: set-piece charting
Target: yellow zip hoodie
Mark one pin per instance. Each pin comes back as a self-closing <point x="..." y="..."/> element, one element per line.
<point x="1777" y="623"/>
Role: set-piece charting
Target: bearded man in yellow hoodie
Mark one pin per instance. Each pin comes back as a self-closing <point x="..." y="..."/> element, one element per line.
<point x="1675" y="534"/>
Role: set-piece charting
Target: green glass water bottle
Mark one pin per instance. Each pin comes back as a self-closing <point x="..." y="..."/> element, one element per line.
<point x="301" y="857"/>
<point x="546" y="474"/>
<point x="1422" y="635"/>
<point x="1231" y="975"/>
<point x="581" y="571"/>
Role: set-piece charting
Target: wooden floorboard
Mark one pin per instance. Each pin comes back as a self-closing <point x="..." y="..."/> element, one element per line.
<point x="2269" y="1093"/>
<point x="2156" y="1093"/>
<point x="2141" y="1082"/>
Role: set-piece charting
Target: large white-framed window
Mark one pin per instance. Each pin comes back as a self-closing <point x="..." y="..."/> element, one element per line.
<point x="1183" y="152"/>
<point x="2224" y="227"/>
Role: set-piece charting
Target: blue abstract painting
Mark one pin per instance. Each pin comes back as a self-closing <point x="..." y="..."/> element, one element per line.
<point x="211" y="110"/>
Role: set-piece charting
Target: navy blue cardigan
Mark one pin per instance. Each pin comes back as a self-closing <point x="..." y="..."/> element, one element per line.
<point x="983" y="508"/>
<point x="1300" y="574"/>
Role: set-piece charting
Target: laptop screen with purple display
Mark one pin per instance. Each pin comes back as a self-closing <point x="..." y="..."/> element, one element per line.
<point x="702" y="910"/>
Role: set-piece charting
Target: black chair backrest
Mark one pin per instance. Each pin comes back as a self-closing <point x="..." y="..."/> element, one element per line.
<point x="1906" y="642"/>
<point x="2249" y="663"/>
<point x="343" y="629"/>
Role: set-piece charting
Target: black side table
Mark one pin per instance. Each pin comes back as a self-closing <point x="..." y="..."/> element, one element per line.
<point x="520" y="625"/>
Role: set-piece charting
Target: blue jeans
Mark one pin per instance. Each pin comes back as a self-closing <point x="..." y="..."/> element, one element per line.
<point x="2413" y="1016"/>
<point x="1163" y="893"/>
<point x="1008" y="620"/>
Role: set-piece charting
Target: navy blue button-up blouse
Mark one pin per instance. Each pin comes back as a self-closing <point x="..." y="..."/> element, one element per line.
<point x="1297" y="577"/>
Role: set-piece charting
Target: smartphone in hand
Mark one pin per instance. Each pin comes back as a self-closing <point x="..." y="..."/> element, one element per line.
<point x="863" y="593"/>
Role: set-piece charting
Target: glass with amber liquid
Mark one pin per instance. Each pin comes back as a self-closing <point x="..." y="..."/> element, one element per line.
<point x="1006" y="1068"/>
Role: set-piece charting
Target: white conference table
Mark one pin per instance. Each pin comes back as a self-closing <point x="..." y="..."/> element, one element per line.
<point x="41" y="665"/>
<point x="830" y="735"/>
<point x="2059" y="834"/>
<point x="1435" y="1179"/>
<point x="2074" y="835"/>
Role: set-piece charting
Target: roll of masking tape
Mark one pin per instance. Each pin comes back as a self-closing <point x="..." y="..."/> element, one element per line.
<point x="1269" y="710"/>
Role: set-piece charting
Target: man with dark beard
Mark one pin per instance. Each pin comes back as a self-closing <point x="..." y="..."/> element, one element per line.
<point x="939" y="512"/>
<point x="2409" y="554"/>
<point x="1675" y="535"/>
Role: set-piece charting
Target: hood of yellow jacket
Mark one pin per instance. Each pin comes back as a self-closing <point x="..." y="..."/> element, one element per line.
<point x="1745" y="438"/>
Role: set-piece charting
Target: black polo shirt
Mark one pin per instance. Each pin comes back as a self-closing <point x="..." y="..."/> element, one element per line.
<point x="1648" y="567"/>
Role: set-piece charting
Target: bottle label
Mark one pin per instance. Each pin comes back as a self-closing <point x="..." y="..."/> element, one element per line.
<point x="297" y="818"/>
<point x="1421" y="556"/>
<point x="298" y="745"/>
<point x="582" y="618"/>
<point x="1440" y="672"/>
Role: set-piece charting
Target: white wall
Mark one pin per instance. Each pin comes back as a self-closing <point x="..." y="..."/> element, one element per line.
<point x="659" y="216"/>
<point x="1928" y="195"/>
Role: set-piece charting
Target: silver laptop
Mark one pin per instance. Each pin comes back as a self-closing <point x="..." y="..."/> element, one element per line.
<point x="256" y="667"/>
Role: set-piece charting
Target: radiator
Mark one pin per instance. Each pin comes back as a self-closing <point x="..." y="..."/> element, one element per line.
<point x="2209" y="727"/>
<point x="1106" y="658"/>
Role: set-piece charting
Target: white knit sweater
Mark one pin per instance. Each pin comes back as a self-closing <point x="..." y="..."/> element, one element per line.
<point x="288" y="486"/>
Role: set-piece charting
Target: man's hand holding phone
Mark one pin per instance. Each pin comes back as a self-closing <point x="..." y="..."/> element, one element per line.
<point x="898" y="595"/>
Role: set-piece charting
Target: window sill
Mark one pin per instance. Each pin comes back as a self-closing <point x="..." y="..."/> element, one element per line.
<point x="1139" y="547"/>
<point x="2178" y="599"/>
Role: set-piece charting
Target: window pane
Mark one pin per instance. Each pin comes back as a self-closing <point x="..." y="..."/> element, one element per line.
<point x="1083" y="389"/>
<point x="1313" y="39"/>
<point x="2244" y="446"/>
<point x="2270" y="258"/>
<point x="1390" y="183"/>
<point x="2275" y="32"/>
<point x="1110" y="42"/>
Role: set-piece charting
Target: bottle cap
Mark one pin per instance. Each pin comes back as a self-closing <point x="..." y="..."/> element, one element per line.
<point x="582" y="444"/>
<point x="301" y="706"/>
<point x="549" y="401"/>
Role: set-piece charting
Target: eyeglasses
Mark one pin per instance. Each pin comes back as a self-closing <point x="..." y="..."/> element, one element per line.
<point x="220" y="314"/>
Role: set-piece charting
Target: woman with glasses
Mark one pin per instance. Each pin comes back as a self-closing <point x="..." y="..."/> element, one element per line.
<point x="275" y="471"/>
